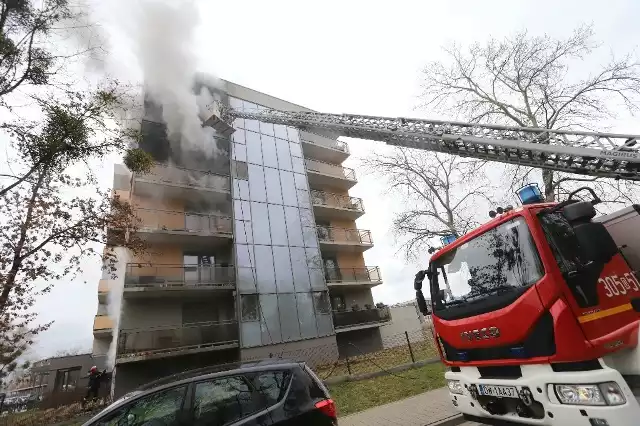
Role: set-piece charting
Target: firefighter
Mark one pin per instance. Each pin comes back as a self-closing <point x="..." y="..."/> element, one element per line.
<point x="95" y="378"/>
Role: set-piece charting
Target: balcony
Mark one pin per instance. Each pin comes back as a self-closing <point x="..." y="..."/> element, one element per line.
<point x="162" y="226"/>
<point x="325" y="174"/>
<point x="162" y="342"/>
<point x="343" y="240"/>
<point x="182" y="184"/>
<point x="358" y="277"/>
<point x="102" y="326"/>
<point x="324" y="149"/>
<point x="356" y="320"/>
<point x="334" y="206"/>
<point x="145" y="280"/>
<point x="103" y="290"/>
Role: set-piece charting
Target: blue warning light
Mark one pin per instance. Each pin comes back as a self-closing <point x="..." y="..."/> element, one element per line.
<point x="447" y="239"/>
<point x="530" y="194"/>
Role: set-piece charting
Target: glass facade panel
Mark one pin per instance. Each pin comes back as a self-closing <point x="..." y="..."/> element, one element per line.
<point x="270" y="322"/>
<point x="243" y="233"/>
<point x="251" y="334"/>
<point x="238" y="136"/>
<point x="246" y="273"/>
<point x="310" y="236"/>
<point x="239" y="152"/>
<point x="325" y="325"/>
<point x="282" y="266"/>
<point x="266" y="129"/>
<point x="254" y="148"/>
<point x="280" y="131"/>
<point x="289" y="324"/>
<point x="260" y="223"/>
<point x="265" y="275"/>
<point x="303" y="198"/>
<point x="242" y="210"/>
<point x="296" y="151"/>
<point x="272" y="179"/>
<point x="298" y="163"/>
<point x="252" y="125"/>
<point x="306" y="217"/>
<point x="284" y="156"/>
<point x="301" y="181"/>
<point x="306" y="316"/>
<point x="294" y="230"/>
<point x="269" y="155"/>
<point x="257" y="189"/>
<point x="294" y="135"/>
<point x="300" y="269"/>
<point x="278" y="225"/>
<point x="241" y="189"/>
<point x="289" y="195"/>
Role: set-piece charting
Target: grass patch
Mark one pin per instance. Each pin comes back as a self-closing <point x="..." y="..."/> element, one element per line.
<point x="351" y="397"/>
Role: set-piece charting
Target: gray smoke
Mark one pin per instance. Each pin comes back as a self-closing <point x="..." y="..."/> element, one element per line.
<point x="162" y="41"/>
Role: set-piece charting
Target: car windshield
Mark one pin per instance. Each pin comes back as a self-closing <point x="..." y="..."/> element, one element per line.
<point x="500" y="260"/>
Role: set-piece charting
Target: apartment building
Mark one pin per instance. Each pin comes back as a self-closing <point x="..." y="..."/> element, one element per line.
<point x="254" y="251"/>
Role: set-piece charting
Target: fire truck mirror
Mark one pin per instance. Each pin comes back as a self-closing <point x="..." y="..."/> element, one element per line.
<point x="595" y="241"/>
<point x="422" y="303"/>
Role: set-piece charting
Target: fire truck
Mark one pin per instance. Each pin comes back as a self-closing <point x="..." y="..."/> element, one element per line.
<point x="536" y="312"/>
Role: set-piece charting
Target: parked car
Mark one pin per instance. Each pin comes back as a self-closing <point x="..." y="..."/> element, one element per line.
<point x="271" y="392"/>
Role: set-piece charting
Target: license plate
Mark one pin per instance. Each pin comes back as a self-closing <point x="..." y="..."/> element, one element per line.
<point x="499" y="391"/>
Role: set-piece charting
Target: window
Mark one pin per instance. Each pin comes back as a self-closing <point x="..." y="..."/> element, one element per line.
<point x="223" y="401"/>
<point x="272" y="385"/>
<point x="158" y="408"/>
<point x="338" y="303"/>
<point x="321" y="302"/>
<point x="67" y="380"/>
<point x="250" y="307"/>
<point x="562" y="240"/>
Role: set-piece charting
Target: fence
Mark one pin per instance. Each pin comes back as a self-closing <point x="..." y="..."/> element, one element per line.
<point x="328" y="199"/>
<point x="343" y="235"/>
<point x="330" y="169"/>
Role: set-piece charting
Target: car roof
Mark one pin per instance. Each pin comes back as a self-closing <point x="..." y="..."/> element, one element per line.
<point x="222" y="370"/>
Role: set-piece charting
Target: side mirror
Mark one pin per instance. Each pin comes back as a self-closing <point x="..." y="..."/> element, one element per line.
<point x="422" y="303"/>
<point x="596" y="242"/>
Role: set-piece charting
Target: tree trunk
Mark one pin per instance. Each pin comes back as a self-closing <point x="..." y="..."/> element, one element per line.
<point x="549" y="190"/>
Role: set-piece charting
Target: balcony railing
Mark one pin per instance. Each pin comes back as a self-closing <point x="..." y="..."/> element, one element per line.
<point x="170" y="339"/>
<point x="342" y="235"/>
<point x="185" y="177"/>
<point x="361" y="317"/>
<point x="328" y="143"/>
<point x="166" y="220"/>
<point x="330" y="169"/>
<point x="368" y="274"/>
<point x="338" y="201"/>
<point x="179" y="276"/>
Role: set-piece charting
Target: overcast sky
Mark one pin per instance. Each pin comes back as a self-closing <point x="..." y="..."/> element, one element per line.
<point x="342" y="57"/>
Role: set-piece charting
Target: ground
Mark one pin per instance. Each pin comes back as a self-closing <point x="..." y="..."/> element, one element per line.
<point x="351" y="397"/>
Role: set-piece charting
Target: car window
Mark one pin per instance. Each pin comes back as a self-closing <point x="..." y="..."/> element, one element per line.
<point x="223" y="401"/>
<point x="271" y="385"/>
<point x="158" y="409"/>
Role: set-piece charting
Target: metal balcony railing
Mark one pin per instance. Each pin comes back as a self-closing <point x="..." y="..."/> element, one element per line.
<point x="360" y="317"/>
<point x="179" y="276"/>
<point x="167" y="220"/>
<point x="170" y="339"/>
<point x="338" y="201"/>
<point x="368" y="274"/>
<point x="328" y="143"/>
<point x="330" y="169"/>
<point x="185" y="177"/>
<point x="342" y="235"/>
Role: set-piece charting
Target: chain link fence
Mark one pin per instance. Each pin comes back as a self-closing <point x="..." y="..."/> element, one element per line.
<point x="350" y="359"/>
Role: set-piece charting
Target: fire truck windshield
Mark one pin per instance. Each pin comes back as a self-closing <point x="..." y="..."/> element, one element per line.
<point x="503" y="259"/>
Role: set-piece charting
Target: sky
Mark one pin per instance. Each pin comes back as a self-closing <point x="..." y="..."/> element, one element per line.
<point x="340" y="57"/>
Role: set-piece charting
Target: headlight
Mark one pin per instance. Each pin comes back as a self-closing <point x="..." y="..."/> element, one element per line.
<point x="596" y="394"/>
<point x="455" y="386"/>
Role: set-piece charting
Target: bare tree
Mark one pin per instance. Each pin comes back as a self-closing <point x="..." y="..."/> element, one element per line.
<point x="441" y="194"/>
<point x="536" y="82"/>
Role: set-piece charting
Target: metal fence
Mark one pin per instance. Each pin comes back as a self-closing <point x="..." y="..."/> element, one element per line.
<point x="343" y="235"/>
<point x="338" y="201"/>
<point x="171" y="175"/>
<point x="330" y="169"/>
<point x="158" y="276"/>
<point x="166" y="220"/>
<point x="368" y="274"/>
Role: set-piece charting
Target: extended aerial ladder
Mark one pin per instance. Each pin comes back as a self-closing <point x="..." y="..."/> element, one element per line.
<point x="587" y="153"/>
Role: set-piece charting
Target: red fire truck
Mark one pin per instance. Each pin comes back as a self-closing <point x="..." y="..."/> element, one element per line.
<point x="536" y="313"/>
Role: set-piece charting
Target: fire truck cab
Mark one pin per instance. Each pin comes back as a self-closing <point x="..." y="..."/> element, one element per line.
<point x="536" y="314"/>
